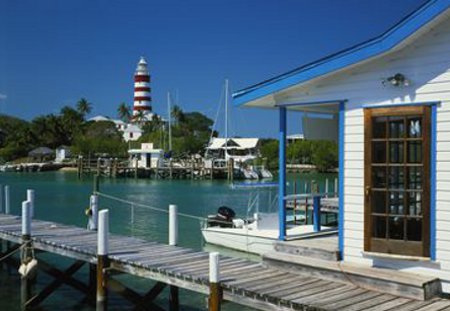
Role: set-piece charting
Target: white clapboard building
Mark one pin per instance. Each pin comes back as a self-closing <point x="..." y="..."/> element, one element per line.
<point x="389" y="102"/>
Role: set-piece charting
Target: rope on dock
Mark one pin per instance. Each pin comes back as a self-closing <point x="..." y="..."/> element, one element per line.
<point x="107" y="196"/>
<point x="20" y="248"/>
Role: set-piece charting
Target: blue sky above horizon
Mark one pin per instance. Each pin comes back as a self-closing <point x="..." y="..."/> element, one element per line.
<point x="54" y="52"/>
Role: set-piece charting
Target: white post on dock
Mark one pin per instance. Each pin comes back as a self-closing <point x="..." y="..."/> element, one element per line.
<point x="30" y="198"/>
<point x="25" y="281"/>
<point x="214" y="282"/>
<point x="102" y="259"/>
<point x="326" y="187"/>
<point x="173" y="224"/>
<point x="26" y="219"/>
<point x="93" y="206"/>
<point x="7" y="201"/>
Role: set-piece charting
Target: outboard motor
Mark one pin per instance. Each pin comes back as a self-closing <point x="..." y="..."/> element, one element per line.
<point x="223" y="219"/>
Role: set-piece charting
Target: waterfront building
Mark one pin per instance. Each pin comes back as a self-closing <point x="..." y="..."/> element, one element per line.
<point x="238" y="149"/>
<point x="62" y="153"/>
<point x="146" y="156"/>
<point x="390" y="97"/>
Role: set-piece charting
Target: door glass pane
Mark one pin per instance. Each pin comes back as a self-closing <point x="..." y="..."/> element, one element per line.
<point x="379" y="177"/>
<point x="396" y="150"/>
<point x="379" y="127"/>
<point x="396" y="177"/>
<point x="396" y="203"/>
<point x="379" y="227"/>
<point x="414" y="229"/>
<point x="414" y="178"/>
<point x="414" y="127"/>
<point x="379" y="202"/>
<point x="396" y="127"/>
<point x="414" y="152"/>
<point x="414" y="204"/>
<point x="396" y="227"/>
<point x="379" y="152"/>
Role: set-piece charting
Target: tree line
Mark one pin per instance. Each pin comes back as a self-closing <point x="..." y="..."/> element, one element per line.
<point x="321" y="153"/>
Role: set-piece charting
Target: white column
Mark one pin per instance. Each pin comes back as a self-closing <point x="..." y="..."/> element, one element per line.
<point x="103" y="232"/>
<point x="173" y="224"/>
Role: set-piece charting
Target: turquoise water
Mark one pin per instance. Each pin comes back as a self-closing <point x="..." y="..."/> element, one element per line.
<point x="62" y="198"/>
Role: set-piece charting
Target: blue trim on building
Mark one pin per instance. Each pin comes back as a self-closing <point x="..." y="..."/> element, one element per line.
<point x="401" y="105"/>
<point x="341" y="176"/>
<point x="371" y="48"/>
<point x="282" y="174"/>
<point x="433" y="182"/>
<point x="324" y="102"/>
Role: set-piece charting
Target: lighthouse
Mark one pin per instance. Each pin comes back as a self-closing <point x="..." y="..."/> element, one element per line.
<point x="142" y="98"/>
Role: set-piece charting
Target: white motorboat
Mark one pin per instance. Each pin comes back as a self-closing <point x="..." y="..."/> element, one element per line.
<point x="256" y="234"/>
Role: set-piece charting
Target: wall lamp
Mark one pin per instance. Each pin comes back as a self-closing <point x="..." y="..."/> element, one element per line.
<point x="397" y="80"/>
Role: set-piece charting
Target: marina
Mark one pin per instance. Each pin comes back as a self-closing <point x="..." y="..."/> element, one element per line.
<point x="331" y="193"/>
<point x="241" y="281"/>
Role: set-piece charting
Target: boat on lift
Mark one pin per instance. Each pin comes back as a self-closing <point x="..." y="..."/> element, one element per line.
<point x="258" y="229"/>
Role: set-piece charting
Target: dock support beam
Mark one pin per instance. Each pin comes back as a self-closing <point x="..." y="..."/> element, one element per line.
<point x="215" y="291"/>
<point x="174" y="303"/>
<point x="102" y="260"/>
<point x="25" y="281"/>
<point x="282" y="175"/>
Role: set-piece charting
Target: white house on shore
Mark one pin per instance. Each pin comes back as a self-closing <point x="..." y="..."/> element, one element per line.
<point x="238" y="149"/>
<point x="130" y="132"/>
<point x="146" y="156"/>
<point x="391" y="99"/>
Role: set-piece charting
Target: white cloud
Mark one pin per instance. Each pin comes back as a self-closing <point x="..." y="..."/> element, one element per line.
<point x="2" y="96"/>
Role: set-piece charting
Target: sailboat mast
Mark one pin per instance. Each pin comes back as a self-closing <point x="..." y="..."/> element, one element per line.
<point x="226" y="119"/>
<point x="170" y="121"/>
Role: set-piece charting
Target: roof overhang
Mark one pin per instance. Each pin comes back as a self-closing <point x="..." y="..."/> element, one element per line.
<point x="412" y="26"/>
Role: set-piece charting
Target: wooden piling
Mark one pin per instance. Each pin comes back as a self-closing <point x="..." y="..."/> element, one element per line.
<point x="96" y="187"/>
<point x="93" y="217"/>
<point x="136" y="165"/>
<point x="25" y="282"/>
<point x="7" y="200"/>
<point x="102" y="260"/>
<point x="214" y="282"/>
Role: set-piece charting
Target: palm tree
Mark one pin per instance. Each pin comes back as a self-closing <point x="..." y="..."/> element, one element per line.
<point x="177" y="113"/>
<point x="84" y="107"/>
<point x="124" y="112"/>
<point x="139" y="117"/>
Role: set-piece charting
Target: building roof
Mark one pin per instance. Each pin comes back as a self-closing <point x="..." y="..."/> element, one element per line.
<point x="296" y="136"/>
<point x="233" y="143"/>
<point x="99" y="118"/>
<point x="40" y="151"/>
<point x="387" y="41"/>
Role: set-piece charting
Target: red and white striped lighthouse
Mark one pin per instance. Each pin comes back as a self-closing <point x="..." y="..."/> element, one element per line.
<point x="142" y="98"/>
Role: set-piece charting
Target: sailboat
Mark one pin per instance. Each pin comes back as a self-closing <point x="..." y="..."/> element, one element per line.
<point x="242" y="151"/>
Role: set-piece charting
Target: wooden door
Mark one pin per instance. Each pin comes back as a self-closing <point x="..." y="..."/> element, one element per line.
<point x="397" y="180"/>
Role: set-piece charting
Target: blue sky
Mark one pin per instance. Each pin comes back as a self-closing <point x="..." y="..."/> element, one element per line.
<point x="54" y="52"/>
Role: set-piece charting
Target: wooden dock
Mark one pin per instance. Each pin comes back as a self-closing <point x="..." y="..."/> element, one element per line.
<point x="244" y="282"/>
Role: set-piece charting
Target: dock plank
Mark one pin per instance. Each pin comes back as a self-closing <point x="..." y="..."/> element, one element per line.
<point x="245" y="282"/>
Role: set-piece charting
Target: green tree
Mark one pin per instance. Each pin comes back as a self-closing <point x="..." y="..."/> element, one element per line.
<point x="100" y="138"/>
<point x="177" y="113"/>
<point x="84" y="107"/>
<point x="124" y="112"/>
